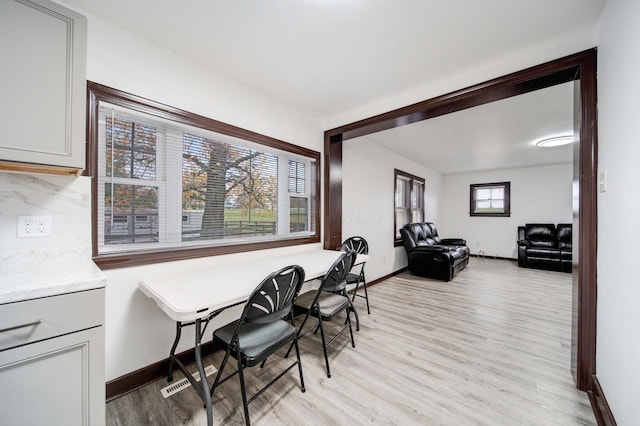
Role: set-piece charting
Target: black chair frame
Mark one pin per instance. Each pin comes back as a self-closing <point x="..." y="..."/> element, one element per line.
<point x="360" y="246"/>
<point x="257" y="313"/>
<point x="333" y="284"/>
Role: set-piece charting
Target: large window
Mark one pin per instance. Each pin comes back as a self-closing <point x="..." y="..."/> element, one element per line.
<point x="490" y="199"/>
<point x="409" y="201"/>
<point x="172" y="185"/>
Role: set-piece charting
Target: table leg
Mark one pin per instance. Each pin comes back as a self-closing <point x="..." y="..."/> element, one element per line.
<point x="172" y="354"/>
<point x="203" y="377"/>
<point x="201" y="388"/>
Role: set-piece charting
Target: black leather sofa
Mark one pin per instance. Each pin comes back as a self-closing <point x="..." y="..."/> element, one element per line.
<point x="431" y="256"/>
<point x="545" y="246"/>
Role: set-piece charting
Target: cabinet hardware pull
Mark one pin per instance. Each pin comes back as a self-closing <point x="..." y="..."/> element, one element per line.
<point x="15" y="327"/>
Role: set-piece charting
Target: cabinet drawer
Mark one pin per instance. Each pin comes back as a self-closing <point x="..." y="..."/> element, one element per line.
<point x="38" y="319"/>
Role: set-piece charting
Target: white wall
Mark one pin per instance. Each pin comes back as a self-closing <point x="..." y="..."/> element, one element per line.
<point x="137" y="332"/>
<point x="618" y="345"/>
<point x="490" y="68"/>
<point x="538" y="195"/>
<point x="368" y="201"/>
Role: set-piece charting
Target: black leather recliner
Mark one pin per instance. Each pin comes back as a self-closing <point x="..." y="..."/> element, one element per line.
<point x="431" y="256"/>
<point x="545" y="246"/>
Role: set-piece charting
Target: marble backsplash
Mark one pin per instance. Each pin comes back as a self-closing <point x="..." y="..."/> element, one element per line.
<point x="66" y="199"/>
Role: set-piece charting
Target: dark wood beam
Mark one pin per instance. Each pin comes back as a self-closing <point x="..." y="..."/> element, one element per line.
<point x="580" y="66"/>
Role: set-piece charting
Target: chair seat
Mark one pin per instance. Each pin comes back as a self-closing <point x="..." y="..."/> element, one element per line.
<point x="330" y="303"/>
<point x="352" y="278"/>
<point x="257" y="341"/>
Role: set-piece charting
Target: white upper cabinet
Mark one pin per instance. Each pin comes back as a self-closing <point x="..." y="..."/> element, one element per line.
<point x="42" y="83"/>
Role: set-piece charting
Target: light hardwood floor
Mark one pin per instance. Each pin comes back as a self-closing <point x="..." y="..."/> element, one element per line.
<point x="491" y="347"/>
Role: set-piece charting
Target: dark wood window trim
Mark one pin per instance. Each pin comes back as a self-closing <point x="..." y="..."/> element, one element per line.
<point x="581" y="68"/>
<point x="397" y="241"/>
<point x="507" y="199"/>
<point x="97" y="93"/>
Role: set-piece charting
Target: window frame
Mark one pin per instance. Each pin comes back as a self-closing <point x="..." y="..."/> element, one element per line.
<point x="507" y="199"/>
<point x="397" y="241"/>
<point x="97" y="93"/>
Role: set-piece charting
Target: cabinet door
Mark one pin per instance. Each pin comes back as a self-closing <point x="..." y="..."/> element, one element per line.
<point x="42" y="83"/>
<point x="55" y="382"/>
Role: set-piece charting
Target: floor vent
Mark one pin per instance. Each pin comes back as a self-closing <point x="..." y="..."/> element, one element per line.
<point x="184" y="383"/>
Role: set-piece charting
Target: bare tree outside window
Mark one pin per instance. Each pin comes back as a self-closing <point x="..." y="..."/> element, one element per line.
<point x="231" y="186"/>
<point x="168" y="180"/>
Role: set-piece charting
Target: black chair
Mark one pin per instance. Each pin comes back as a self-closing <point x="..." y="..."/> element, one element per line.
<point x="328" y="301"/>
<point x="360" y="246"/>
<point x="262" y="329"/>
<point x="430" y="256"/>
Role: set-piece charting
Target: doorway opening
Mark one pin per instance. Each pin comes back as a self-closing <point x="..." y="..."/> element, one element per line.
<point x="579" y="68"/>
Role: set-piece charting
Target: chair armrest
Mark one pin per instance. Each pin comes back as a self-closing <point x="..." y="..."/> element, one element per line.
<point x="453" y="241"/>
<point x="430" y="249"/>
<point x="524" y="243"/>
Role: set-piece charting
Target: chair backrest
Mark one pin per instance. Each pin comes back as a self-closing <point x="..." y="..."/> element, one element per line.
<point x="434" y="232"/>
<point x="273" y="298"/>
<point x="541" y="234"/>
<point x="357" y="244"/>
<point x="564" y="236"/>
<point x="335" y="279"/>
<point x="419" y="234"/>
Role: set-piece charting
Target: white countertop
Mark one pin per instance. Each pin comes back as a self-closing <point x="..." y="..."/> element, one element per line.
<point x="32" y="274"/>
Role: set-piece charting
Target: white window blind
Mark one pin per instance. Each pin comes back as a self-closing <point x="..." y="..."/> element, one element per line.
<point x="165" y="184"/>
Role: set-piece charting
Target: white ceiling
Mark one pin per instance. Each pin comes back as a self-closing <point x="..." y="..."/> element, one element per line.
<point x="329" y="57"/>
<point x="497" y="135"/>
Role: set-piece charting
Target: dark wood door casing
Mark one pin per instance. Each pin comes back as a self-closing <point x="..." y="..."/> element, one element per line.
<point x="580" y="66"/>
<point x="332" y="192"/>
<point x="586" y="310"/>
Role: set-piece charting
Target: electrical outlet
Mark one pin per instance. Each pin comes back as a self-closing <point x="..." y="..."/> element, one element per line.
<point x="34" y="226"/>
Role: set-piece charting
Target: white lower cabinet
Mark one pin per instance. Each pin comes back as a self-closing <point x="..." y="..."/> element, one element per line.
<point x="52" y="361"/>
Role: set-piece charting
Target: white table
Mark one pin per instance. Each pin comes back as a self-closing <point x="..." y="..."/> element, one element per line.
<point x="196" y="295"/>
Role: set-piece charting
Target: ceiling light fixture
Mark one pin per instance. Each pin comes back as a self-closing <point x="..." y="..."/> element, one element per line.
<point x="555" y="141"/>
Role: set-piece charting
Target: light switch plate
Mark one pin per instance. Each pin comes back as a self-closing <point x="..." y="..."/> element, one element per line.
<point x="602" y="181"/>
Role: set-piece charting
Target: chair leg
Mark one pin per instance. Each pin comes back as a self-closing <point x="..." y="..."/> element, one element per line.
<point x="353" y="342"/>
<point x="245" y="404"/>
<point x="220" y="370"/>
<point x="355" y="290"/>
<point x="295" y="342"/>
<point x="353" y="309"/>
<point x="324" y="346"/>
<point x="304" y="321"/>
<point x="366" y="295"/>
<point x="361" y="281"/>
